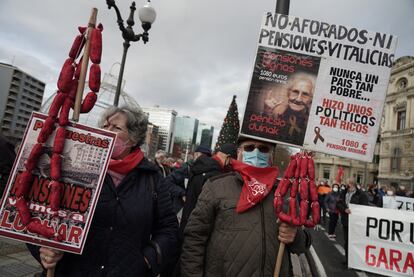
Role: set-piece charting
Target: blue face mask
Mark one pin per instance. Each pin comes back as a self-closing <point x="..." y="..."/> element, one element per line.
<point x="256" y="158"/>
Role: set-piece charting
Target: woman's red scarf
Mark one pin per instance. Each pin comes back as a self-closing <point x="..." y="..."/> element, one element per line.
<point x="128" y="163"/>
<point x="257" y="183"/>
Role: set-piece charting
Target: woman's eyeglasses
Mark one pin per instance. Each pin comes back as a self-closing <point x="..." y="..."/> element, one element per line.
<point x="261" y="148"/>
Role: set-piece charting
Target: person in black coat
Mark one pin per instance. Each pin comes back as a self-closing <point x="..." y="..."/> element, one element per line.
<point x="204" y="168"/>
<point x="352" y="195"/>
<point x="6" y="162"/>
<point x="175" y="183"/>
<point x="134" y="229"/>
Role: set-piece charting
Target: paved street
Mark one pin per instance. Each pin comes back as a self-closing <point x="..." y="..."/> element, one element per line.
<point x="330" y="254"/>
<point x="325" y="258"/>
<point x="15" y="260"/>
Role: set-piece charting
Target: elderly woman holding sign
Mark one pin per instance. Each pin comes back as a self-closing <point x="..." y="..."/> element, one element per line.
<point x="134" y="228"/>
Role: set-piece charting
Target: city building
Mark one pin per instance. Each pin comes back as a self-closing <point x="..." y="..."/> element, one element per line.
<point x="396" y="164"/>
<point x="205" y="135"/>
<point x="151" y="141"/>
<point x="165" y="120"/>
<point x="185" y="136"/>
<point x="327" y="168"/>
<point x="20" y="95"/>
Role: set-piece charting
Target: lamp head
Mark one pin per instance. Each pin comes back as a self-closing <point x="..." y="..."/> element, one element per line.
<point x="147" y="14"/>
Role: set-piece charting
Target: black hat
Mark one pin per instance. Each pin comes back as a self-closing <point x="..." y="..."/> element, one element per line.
<point x="203" y="149"/>
<point x="229" y="149"/>
<point x="243" y="138"/>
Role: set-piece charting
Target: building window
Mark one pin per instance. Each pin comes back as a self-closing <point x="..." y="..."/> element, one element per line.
<point x="400" y="120"/>
<point x="359" y="178"/>
<point x="396" y="160"/>
<point x="402" y="84"/>
<point x="326" y="173"/>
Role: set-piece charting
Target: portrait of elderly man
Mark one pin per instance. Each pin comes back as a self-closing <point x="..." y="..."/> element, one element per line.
<point x="295" y="110"/>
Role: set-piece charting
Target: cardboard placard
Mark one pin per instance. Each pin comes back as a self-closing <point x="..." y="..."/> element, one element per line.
<point x="85" y="160"/>
<point x="319" y="86"/>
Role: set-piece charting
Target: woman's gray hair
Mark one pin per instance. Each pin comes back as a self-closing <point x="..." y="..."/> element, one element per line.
<point x="137" y="122"/>
<point x="160" y="153"/>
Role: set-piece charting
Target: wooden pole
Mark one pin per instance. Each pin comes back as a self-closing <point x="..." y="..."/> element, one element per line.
<point x="278" y="260"/>
<point x="81" y="84"/>
<point x="50" y="272"/>
<point x="282" y="7"/>
<point x="84" y="68"/>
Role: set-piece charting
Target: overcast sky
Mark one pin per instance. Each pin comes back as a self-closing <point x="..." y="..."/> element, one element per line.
<point x="200" y="53"/>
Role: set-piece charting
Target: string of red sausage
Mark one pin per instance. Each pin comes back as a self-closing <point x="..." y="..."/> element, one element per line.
<point x="298" y="177"/>
<point x="59" y="113"/>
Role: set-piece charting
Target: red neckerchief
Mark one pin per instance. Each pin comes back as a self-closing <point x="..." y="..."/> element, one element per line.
<point x="128" y="163"/>
<point x="217" y="159"/>
<point x="257" y="183"/>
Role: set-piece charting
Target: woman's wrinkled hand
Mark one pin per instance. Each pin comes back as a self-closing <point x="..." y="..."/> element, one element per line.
<point x="49" y="257"/>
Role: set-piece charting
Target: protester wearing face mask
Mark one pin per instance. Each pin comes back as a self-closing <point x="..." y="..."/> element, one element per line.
<point x="132" y="233"/>
<point x="351" y="196"/>
<point x="233" y="230"/>
<point x="323" y="190"/>
<point x="389" y="200"/>
<point x="204" y="167"/>
<point x="391" y="191"/>
<point x="330" y="204"/>
<point x="374" y="198"/>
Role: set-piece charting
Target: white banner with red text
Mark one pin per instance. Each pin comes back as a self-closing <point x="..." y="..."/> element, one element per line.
<point x="318" y="85"/>
<point x="350" y="93"/>
<point x="381" y="240"/>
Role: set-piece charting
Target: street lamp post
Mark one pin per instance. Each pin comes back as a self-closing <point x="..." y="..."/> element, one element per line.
<point x="147" y="16"/>
<point x="187" y="150"/>
<point x="282" y="6"/>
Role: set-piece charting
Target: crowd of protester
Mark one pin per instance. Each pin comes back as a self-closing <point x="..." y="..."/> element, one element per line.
<point x="159" y="217"/>
<point x="335" y="200"/>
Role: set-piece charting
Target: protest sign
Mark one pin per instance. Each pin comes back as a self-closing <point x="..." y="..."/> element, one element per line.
<point x="381" y="240"/>
<point x="337" y="109"/>
<point x="86" y="156"/>
<point x="398" y="203"/>
<point x="279" y="75"/>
